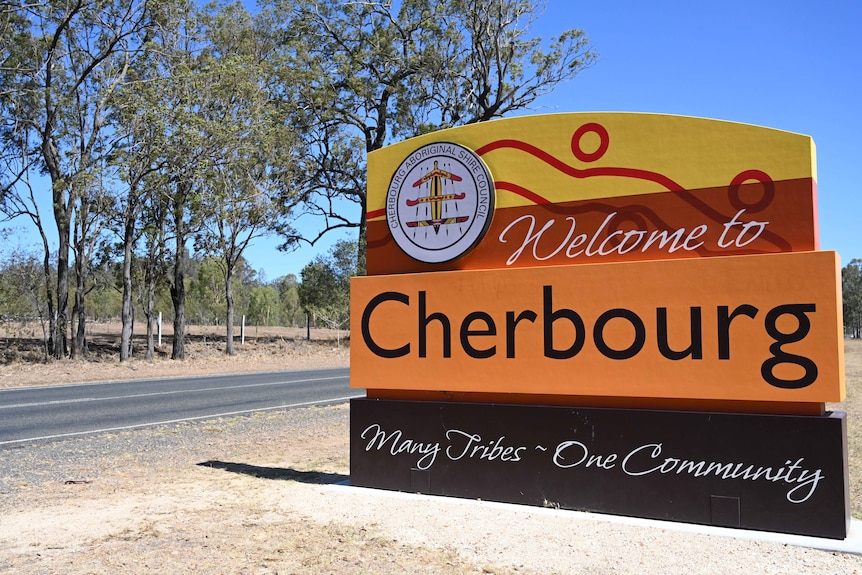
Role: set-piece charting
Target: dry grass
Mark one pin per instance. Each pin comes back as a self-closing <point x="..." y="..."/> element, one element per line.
<point x="853" y="406"/>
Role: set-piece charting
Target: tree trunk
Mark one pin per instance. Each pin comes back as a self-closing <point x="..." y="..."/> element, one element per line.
<point x="131" y="339"/>
<point x="76" y="349"/>
<point x="62" y="207"/>
<point x="178" y="287"/>
<point x="79" y="342"/>
<point x="49" y="292"/>
<point x="155" y="249"/>
<point x="81" y="335"/>
<point x="61" y="325"/>
<point x="126" y="311"/>
<point x="228" y="292"/>
<point x="363" y="239"/>
<point x="178" y="297"/>
<point x="149" y="312"/>
<point x="148" y="355"/>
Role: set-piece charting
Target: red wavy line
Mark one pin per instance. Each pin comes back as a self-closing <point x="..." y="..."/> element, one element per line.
<point x="523" y="192"/>
<point x="646" y="175"/>
<point x="654" y="177"/>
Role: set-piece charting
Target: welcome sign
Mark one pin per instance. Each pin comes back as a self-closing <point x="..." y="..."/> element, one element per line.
<point x="595" y="260"/>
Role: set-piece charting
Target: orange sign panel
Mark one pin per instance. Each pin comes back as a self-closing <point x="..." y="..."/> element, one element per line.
<point x="588" y="188"/>
<point x="751" y="328"/>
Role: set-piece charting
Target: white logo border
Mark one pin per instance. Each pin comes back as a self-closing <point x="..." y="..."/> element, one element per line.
<point x="476" y="229"/>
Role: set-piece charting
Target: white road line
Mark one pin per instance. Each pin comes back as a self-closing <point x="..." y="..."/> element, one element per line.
<point x="166" y="377"/>
<point x="174" y="392"/>
<point x="152" y="423"/>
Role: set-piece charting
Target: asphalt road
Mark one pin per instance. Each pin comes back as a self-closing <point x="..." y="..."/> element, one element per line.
<point x="54" y="412"/>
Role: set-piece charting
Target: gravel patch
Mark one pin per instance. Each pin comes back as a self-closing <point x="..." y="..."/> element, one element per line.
<point x="258" y="494"/>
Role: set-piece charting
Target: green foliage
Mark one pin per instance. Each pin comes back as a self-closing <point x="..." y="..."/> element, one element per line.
<point x="172" y="127"/>
<point x="325" y="289"/>
<point x="21" y="285"/>
<point x="366" y="73"/>
<point x="290" y="311"/>
<point x="496" y="67"/>
<point x="205" y="290"/>
<point x="263" y="306"/>
<point x="104" y="304"/>
<point x="851" y="285"/>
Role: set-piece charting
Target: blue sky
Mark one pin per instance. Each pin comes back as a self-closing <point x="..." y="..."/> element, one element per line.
<point x="788" y="65"/>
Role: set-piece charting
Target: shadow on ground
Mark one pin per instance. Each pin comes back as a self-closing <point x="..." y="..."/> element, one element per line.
<point x="313" y="477"/>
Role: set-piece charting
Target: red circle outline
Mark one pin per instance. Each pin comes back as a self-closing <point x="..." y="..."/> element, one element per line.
<point x="735" y="189"/>
<point x="604" y="142"/>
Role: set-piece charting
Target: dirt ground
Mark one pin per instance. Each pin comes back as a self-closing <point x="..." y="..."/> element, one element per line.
<point x="264" y="494"/>
<point x="264" y="349"/>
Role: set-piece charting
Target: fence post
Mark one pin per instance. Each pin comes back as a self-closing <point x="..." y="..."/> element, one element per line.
<point x="242" y="332"/>
<point x="160" y="329"/>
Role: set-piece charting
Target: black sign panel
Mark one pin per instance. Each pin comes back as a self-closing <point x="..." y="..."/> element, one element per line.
<point x="777" y="473"/>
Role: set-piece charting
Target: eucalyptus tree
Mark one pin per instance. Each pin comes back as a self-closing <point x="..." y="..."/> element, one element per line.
<point x="374" y="71"/>
<point x="90" y="218"/>
<point x="173" y="142"/>
<point x="206" y="291"/>
<point x="71" y="57"/>
<point x="21" y="295"/>
<point x="495" y="67"/>
<point x="252" y="163"/>
<point x="325" y="289"/>
<point x="18" y="146"/>
<point x="263" y="305"/>
<point x="358" y="69"/>
<point x="210" y="141"/>
<point x="851" y="283"/>
<point x="190" y="151"/>
<point x="142" y="157"/>
<point x="139" y="213"/>
<point x="140" y="204"/>
<point x="290" y="311"/>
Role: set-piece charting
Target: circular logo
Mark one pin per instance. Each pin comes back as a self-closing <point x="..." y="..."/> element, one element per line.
<point x="440" y="202"/>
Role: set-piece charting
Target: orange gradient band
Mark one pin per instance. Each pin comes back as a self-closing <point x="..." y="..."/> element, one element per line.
<point x="749" y="328"/>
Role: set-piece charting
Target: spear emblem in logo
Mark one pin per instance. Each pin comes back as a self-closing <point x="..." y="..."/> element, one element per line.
<point x="436" y="198"/>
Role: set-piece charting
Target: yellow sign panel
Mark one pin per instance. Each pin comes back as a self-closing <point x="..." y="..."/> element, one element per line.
<point x="588" y="188"/>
